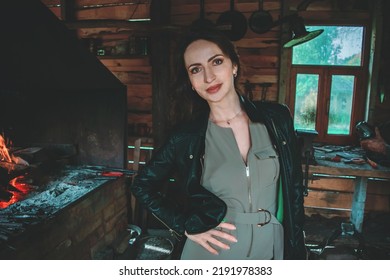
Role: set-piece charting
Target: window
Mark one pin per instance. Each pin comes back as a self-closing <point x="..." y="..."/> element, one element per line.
<point x="328" y="85"/>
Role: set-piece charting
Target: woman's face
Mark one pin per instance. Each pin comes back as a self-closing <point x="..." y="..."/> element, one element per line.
<point x="210" y="71"/>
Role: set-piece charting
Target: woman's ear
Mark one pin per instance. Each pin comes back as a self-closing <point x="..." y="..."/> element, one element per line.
<point x="235" y="70"/>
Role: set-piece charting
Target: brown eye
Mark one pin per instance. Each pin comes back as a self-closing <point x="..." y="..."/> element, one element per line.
<point x="194" y="70"/>
<point x="218" y="61"/>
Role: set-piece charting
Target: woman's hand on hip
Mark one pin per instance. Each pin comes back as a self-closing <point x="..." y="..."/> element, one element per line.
<point x="205" y="239"/>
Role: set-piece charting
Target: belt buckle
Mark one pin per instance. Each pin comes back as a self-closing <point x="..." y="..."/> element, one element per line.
<point x="267" y="216"/>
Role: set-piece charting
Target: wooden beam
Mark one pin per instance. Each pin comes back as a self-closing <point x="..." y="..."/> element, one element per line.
<point x="160" y="59"/>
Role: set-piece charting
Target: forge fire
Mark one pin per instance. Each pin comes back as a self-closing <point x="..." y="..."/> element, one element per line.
<point x="14" y="189"/>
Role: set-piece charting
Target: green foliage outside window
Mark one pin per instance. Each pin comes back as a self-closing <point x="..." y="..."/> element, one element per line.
<point x="337" y="45"/>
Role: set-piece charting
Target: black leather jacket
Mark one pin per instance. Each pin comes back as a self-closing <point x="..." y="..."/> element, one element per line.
<point x="200" y="210"/>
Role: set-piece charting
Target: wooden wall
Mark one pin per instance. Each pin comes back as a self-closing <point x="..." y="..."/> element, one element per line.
<point x="260" y="56"/>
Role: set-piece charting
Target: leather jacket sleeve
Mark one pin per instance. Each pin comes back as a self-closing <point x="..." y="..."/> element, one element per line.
<point x="202" y="210"/>
<point x="147" y="188"/>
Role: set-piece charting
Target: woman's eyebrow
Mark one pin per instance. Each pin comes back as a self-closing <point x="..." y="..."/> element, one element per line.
<point x="214" y="56"/>
<point x="210" y="59"/>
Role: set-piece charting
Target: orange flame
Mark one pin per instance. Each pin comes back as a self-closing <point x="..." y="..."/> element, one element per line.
<point x="4" y="154"/>
<point x="21" y="189"/>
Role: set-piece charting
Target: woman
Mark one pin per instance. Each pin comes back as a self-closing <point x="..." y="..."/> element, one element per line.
<point x="237" y="165"/>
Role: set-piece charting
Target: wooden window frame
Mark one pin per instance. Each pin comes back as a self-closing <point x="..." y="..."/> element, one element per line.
<point x="325" y="73"/>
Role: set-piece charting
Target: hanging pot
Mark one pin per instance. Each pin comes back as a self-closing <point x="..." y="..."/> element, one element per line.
<point x="232" y="23"/>
<point x="202" y="22"/>
<point x="260" y="21"/>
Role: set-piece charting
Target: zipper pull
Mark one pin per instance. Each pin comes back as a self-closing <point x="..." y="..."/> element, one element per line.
<point x="247" y="171"/>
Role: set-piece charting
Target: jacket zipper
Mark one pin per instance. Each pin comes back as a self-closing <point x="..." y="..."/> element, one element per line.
<point x="173" y="233"/>
<point x="201" y="159"/>
<point x="248" y="179"/>
<point x="249" y="187"/>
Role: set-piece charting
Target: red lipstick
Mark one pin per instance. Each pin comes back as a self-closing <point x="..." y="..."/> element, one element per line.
<point x="213" y="89"/>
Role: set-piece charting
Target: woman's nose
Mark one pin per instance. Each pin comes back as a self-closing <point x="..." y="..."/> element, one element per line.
<point x="209" y="75"/>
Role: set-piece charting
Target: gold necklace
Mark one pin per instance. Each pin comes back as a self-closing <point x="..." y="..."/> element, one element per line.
<point x="228" y="121"/>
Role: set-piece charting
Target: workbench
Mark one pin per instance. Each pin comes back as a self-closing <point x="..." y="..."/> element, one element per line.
<point x="361" y="172"/>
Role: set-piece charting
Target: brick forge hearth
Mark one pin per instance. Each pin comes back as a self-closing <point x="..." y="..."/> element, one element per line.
<point x="88" y="220"/>
<point x="56" y="93"/>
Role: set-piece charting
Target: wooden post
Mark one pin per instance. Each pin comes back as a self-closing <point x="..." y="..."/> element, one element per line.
<point x="358" y="203"/>
<point x="160" y="60"/>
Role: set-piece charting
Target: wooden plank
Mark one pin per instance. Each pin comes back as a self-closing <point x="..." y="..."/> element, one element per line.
<point x="118" y="68"/>
<point x="86" y="3"/>
<point x="136" y="103"/>
<point x="343" y="201"/>
<point x="259" y="61"/>
<point x="272" y="34"/>
<point x="377" y="203"/>
<point x="56" y="11"/>
<point x="105" y="33"/>
<point x="141" y="26"/>
<point x="257" y="92"/>
<point x="51" y="2"/>
<point x="126" y="62"/>
<point x="257" y="52"/>
<point x="258" y="78"/>
<point x="332" y="184"/>
<point x="139" y="97"/>
<point x="329" y="200"/>
<point x="141" y="75"/>
<point x="141" y="90"/>
<point x="139" y="118"/>
<point x="140" y="11"/>
<point x="351" y="170"/>
<point x="338" y="16"/>
<point x="379" y="187"/>
<point x="327" y="213"/>
<point x="258" y="42"/>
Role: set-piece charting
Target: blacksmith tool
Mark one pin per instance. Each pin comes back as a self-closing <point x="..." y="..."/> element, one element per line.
<point x="351" y="158"/>
<point x="334" y="159"/>
<point x="111" y="174"/>
<point x="355" y="161"/>
<point x="372" y="163"/>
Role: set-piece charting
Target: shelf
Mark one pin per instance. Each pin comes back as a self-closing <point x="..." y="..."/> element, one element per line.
<point x="142" y="26"/>
<point x="96" y="23"/>
<point x="121" y="56"/>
